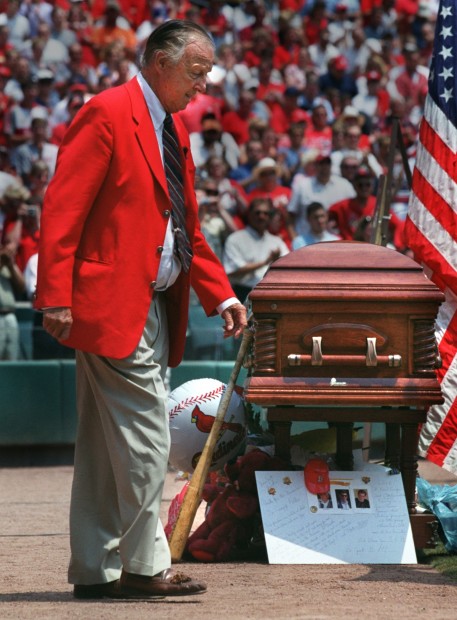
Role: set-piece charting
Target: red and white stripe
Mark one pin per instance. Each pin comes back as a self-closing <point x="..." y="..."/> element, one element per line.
<point x="431" y="230"/>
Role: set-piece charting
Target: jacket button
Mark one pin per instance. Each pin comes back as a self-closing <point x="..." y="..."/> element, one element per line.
<point x="160" y="249"/>
<point x="166" y="213"/>
<point x="153" y="284"/>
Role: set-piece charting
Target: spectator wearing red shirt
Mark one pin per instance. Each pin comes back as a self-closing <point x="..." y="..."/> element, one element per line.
<point x="236" y="121"/>
<point x="315" y="22"/>
<point x="288" y="50"/>
<point x="215" y="21"/>
<point x="258" y="11"/>
<point x="266" y="175"/>
<point x="5" y="101"/>
<point x="318" y="134"/>
<point x="270" y="89"/>
<point x="346" y="215"/>
<point x="411" y="80"/>
<point x="262" y="45"/>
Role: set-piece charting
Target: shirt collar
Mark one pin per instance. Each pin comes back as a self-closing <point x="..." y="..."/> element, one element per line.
<point x="154" y="106"/>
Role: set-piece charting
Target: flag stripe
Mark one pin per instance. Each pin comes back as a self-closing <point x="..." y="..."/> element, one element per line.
<point x="431" y="227"/>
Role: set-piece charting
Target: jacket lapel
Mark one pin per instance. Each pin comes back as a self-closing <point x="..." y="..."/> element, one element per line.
<point x="145" y="133"/>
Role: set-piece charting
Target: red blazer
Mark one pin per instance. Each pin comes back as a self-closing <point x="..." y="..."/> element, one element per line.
<point x="103" y="226"/>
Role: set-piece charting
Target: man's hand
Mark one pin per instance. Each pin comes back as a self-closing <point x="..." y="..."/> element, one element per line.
<point x="57" y="322"/>
<point x="235" y="320"/>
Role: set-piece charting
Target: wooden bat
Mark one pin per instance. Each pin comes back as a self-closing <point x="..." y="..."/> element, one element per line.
<point x="192" y="498"/>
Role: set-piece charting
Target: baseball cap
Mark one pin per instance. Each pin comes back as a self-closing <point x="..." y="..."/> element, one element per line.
<point x="373" y="76"/>
<point x="39" y="113"/>
<point x="317" y="478"/>
<point x="339" y="63"/>
<point x="45" y="75"/>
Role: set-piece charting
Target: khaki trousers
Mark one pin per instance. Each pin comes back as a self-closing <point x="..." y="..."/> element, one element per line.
<point x="121" y="458"/>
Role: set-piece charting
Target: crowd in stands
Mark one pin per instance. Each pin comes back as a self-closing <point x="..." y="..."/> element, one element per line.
<point x="294" y="127"/>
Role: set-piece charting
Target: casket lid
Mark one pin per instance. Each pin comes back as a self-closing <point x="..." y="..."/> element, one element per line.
<point x="344" y="255"/>
<point x="346" y="269"/>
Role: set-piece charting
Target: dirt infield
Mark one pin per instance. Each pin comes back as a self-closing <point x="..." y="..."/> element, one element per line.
<point x="34" y="506"/>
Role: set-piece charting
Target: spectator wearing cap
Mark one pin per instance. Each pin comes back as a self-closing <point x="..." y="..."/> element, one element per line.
<point x="322" y="186"/>
<point x="47" y="96"/>
<point x="338" y="78"/>
<point x="317" y="218"/>
<point x="211" y="140"/>
<point x="345" y="215"/>
<point x="374" y="102"/>
<point x="37" y="148"/>
<point x="267" y="177"/>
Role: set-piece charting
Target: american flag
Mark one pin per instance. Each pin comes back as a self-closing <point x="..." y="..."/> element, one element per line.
<point x="431" y="227"/>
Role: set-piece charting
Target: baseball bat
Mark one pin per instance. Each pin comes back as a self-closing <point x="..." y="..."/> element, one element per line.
<point x="192" y="498"/>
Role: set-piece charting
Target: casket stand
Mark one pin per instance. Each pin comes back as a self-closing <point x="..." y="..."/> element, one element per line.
<point x="344" y="332"/>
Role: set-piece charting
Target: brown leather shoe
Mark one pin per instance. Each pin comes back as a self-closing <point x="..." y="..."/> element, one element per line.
<point x="166" y="583"/>
<point x="96" y="590"/>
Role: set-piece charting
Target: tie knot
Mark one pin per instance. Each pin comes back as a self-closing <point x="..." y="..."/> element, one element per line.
<point x="168" y="121"/>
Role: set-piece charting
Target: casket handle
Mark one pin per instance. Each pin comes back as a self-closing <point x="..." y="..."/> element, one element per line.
<point x="316" y="355"/>
<point x="370" y="359"/>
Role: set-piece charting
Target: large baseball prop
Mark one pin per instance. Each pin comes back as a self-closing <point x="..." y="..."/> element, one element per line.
<point x="192" y="408"/>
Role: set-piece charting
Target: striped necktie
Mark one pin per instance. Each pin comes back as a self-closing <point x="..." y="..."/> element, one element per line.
<point x="173" y="172"/>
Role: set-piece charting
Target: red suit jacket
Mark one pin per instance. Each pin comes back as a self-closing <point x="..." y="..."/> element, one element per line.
<point x="103" y="227"/>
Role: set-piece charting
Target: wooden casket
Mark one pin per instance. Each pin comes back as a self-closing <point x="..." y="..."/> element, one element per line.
<point x="344" y="332"/>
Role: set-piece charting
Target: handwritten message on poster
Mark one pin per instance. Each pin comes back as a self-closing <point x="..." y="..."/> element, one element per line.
<point x="302" y="529"/>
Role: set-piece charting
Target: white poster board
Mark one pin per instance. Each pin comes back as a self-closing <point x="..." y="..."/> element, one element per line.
<point x="299" y="530"/>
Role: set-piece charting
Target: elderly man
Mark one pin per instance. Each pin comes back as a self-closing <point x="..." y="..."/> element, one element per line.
<point x="120" y="248"/>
